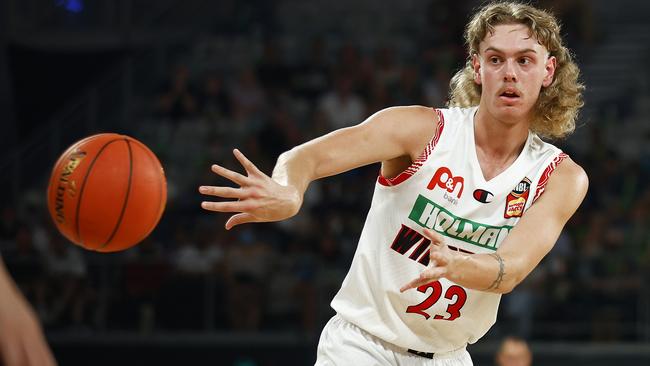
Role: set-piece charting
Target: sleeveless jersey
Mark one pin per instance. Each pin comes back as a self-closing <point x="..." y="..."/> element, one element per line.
<point x="443" y="190"/>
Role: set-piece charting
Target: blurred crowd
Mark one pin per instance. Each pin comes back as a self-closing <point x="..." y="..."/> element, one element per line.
<point x="191" y="274"/>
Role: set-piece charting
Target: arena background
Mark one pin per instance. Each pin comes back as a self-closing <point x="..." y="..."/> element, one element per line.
<point x="193" y="79"/>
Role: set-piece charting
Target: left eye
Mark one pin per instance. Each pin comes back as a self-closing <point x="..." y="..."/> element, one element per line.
<point x="524" y="61"/>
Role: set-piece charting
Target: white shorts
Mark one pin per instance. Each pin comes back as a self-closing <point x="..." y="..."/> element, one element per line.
<point x="343" y="344"/>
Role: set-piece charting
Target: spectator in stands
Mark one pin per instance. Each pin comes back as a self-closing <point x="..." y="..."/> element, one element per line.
<point x="26" y="266"/>
<point x="177" y="100"/>
<point x="387" y="69"/>
<point x="145" y="271"/>
<point x="409" y="90"/>
<point x="311" y="77"/>
<point x="248" y="264"/>
<point x="514" y="351"/>
<point x="67" y="288"/>
<point x="378" y="98"/>
<point x="195" y="257"/>
<point x="275" y="137"/>
<point x="273" y="70"/>
<point x="342" y="106"/>
<point x="213" y="101"/>
<point x="249" y="98"/>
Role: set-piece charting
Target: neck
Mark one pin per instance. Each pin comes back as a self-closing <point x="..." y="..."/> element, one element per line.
<point x="497" y="139"/>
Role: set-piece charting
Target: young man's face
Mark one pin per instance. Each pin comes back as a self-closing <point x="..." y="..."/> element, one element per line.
<point x="511" y="68"/>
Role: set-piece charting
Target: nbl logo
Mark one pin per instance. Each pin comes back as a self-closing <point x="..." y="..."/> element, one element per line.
<point x="516" y="200"/>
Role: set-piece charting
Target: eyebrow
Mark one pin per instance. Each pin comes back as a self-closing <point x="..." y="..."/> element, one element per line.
<point x="526" y="50"/>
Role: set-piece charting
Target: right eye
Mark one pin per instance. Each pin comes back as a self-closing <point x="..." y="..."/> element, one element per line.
<point x="494" y="60"/>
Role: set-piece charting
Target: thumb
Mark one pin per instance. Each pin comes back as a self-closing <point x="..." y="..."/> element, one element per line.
<point x="240" y="218"/>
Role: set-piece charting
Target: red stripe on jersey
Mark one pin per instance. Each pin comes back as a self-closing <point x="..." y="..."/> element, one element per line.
<point x="413" y="168"/>
<point x="541" y="184"/>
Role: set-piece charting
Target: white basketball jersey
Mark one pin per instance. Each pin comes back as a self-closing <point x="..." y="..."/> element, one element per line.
<point x="443" y="190"/>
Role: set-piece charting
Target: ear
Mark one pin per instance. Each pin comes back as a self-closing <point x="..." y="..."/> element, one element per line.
<point x="551" y="64"/>
<point x="476" y="65"/>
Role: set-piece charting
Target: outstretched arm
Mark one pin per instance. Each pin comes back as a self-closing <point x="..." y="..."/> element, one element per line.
<point x="21" y="339"/>
<point x="529" y="241"/>
<point x="386" y="136"/>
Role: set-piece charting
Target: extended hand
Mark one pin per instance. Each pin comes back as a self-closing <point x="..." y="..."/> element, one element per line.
<point x="441" y="260"/>
<point x="259" y="198"/>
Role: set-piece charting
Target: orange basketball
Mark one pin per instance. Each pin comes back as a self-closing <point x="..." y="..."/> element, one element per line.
<point x="107" y="192"/>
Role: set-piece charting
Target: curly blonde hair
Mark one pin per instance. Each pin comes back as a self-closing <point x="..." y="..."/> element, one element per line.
<point x="557" y="107"/>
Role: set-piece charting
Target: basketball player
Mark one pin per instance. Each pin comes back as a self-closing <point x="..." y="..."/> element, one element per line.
<point x="514" y="351"/>
<point x="469" y="199"/>
<point x="21" y="339"/>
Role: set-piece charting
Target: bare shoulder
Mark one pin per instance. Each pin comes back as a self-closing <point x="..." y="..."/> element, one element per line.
<point x="413" y="126"/>
<point x="411" y="114"/>
<point x="568" y="186"/>
<point x="569" y="174"/>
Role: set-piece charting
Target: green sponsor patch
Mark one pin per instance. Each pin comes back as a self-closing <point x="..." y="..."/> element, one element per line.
<point x="430" y="215"/>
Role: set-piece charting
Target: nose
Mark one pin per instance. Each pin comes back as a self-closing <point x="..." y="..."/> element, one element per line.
<point x="510" y="74"/>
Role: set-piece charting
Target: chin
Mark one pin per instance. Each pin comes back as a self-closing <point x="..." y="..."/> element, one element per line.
<point x="510" y="114"/>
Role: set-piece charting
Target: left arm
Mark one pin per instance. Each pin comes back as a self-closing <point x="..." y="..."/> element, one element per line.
<point x="21" y="338"/>
<point x="537" y="231"/>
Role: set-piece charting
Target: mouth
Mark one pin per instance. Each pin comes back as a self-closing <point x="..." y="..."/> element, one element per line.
<point x="510" y="95"/>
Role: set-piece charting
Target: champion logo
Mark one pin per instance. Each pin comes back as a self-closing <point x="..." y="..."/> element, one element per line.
<point x="483" y="196"/>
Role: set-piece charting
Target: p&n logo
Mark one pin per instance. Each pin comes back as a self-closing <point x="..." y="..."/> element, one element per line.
<point x="444" y="179"/>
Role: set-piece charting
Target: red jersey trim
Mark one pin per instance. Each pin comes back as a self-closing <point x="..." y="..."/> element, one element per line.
<point x="541" y="184"/>
<point x="413" y="168"/>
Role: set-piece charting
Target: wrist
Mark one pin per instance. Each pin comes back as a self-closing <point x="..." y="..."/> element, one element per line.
<point x="455" y="263"/>
<point x="294" y="197"/>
